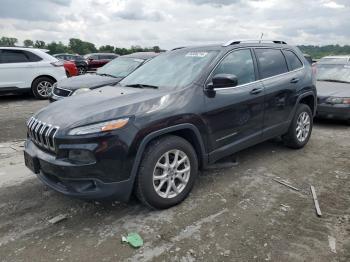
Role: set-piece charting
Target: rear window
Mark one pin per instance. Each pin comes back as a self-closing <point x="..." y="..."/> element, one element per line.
<point x="271" y="62"/>
<point x="292" y="60"/>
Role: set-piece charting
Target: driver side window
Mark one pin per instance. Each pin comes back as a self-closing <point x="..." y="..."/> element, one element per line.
<point x="238" y="63"/>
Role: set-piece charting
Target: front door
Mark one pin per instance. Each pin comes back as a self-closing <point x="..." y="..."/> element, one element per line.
<point x="235" y="114"/>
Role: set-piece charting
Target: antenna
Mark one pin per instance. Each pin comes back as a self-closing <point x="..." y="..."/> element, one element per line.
<point x="261" y="37"/>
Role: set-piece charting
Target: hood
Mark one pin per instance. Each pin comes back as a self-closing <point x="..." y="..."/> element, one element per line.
<point x="87" y="81"/>
<point x="325" y="89"/>
<point x="102" y="104"/>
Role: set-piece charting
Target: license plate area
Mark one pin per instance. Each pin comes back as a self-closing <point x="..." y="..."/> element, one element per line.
<point x="32" y="163"/>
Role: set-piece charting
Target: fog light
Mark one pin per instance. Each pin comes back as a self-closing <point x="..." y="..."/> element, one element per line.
<point x="81" y="156"/>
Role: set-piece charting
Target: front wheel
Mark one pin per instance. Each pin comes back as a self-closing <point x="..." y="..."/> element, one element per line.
<point x="300" y="129"/>
<point x="167" y="172"/>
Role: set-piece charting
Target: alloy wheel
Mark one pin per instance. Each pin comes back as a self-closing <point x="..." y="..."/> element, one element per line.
<point x="303" y="127"/>
<point x="171" y="173"/>
<point x="44" y="88"/>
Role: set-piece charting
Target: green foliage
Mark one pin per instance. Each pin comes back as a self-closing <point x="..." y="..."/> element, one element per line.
<point x="317" y="52"/>
<point x="106" y="49"/>
<point x="78" y="46"/>
<point x="28" y="43"/>
<point x="39" y="44"/>
<point x="57" y="48"/>
<point x="8" y="41"/>
<point x="81" y="47"/>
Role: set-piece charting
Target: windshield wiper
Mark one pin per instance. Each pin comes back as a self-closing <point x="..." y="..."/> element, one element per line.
<point x="106" y="75"/>
<point x="333" y="80"/>
<point x="142" y="86"/>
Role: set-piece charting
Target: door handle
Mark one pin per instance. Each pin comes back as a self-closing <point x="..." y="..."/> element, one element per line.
<point x="294" y="80"/>
<point x="256" y="91"/>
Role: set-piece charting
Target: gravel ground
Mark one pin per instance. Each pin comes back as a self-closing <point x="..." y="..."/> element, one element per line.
<point x="236" y="212"/>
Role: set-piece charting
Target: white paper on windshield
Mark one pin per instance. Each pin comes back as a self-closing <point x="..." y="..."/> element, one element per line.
<point x="196" y="54"/>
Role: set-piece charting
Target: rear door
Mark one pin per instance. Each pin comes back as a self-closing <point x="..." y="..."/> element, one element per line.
<point x="235" y="114"/>
<point x="280" y="90"/>
<point x="15" y="69"/>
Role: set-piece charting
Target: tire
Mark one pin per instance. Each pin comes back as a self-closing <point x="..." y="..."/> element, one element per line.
<point x="303" y="121"/>
<point x="42" y="87"/>
<point x="81" y="70"/>
<point x="155" y="154"/>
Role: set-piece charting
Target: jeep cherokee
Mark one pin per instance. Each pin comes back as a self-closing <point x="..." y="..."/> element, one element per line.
<point x="181" y="111"/>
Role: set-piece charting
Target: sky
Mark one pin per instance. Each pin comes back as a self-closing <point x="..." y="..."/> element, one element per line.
<point x="173" y="23"/>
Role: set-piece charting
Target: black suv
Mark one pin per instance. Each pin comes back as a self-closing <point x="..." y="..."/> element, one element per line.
<point x="181" y="111"/>
<point x="79" y="61"/>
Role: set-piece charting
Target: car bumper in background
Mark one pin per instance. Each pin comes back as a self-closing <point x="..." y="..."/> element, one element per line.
<point x="330" y="111"/>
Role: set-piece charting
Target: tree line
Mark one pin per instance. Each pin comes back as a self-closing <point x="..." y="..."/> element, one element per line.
<point x="76" y="46"/>
<point x="81" y="47"/>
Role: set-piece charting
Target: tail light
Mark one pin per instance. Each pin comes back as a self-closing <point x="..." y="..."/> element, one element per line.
<point x="58" y="63"/>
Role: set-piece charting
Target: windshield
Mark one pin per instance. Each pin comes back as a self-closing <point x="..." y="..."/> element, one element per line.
<point x="338" y="73"/>
<point x="171" y="69"/>
<point x="120" y="67"/>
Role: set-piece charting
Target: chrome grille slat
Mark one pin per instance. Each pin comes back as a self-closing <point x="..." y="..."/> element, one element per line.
<point x="42" y="134"/>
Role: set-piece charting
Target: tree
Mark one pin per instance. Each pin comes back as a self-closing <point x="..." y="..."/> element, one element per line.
<point x="28" y="43"/>
<point x="56" y="48"/>
<point x="39" y="44"/>
<point x="81" y="47"/>
<point x="106" y="48"/>
<point x="8" y="41"/>
<point x="156" y="49"/>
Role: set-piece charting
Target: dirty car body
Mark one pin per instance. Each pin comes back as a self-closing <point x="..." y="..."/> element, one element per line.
<point x="68" y="157"/>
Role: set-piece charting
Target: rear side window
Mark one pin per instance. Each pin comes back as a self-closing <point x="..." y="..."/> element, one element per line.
<point x="238" y="63"/>
<point x="32" y="57"/>
<point x="13" y="56"/>
<point x="292" y="60"/>
<point x="271" y="62"/>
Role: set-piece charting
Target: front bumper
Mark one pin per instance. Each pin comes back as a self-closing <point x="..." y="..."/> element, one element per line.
<point x="338" y="111"/>
<point x="95" y="181"/>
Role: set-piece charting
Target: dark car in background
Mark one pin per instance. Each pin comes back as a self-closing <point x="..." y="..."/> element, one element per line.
<point x="333" y="87"/>
<point x="97" y="60"/>
<point x="109" y="74"/>
<point x="181" y="111"/>
<point x="79" y="61"/>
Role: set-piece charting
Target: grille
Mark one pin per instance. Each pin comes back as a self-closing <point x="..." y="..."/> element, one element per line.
<point x="61" y="92"/>
<point x="42" y="134"/>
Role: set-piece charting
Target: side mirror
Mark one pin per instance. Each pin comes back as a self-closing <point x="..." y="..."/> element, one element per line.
<point x="224" y="80"/>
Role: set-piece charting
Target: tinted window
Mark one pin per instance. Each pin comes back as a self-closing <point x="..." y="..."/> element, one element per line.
<point x="32" y="57"/>
<point x="271" y="61"/>
<point x="293" y="61"/>
<point x="238" y="63"/>
<point x="13" y="56"/>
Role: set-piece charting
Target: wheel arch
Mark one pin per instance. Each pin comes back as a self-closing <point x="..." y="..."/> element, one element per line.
<point x="36" y="78"/>
<point x="187" y="131"/>
<point x="309" y="100"/>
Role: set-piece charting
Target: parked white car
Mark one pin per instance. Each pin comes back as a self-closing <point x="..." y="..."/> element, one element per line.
<point x="29" y="69"/>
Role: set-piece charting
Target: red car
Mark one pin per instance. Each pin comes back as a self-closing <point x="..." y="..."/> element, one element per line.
<point x="71" y="68"/>
<point x="97" y="60"/>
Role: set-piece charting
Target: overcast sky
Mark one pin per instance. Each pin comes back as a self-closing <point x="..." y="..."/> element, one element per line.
<point x="172" y="23"/>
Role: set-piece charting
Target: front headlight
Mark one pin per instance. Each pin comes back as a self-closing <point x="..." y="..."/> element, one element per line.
<point x="338" y="100"/>
<point x="99" y="127"/>
<point x="81" y="91"/>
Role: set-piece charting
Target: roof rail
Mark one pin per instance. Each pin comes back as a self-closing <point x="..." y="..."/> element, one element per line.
<point x="237" y="42"/>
